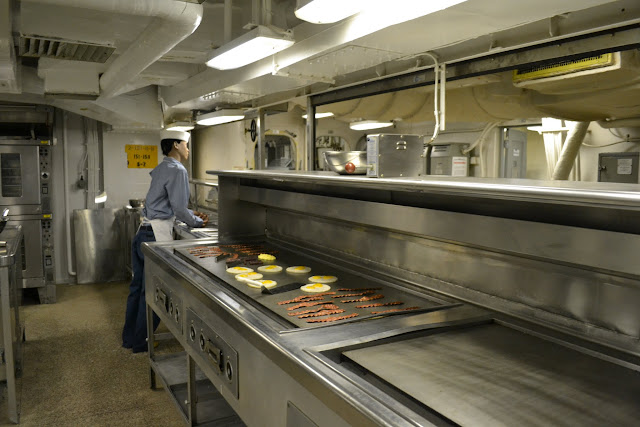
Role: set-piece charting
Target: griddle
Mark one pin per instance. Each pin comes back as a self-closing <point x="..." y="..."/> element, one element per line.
<point x="215" y="267"/>
<point x="492" y="375"/>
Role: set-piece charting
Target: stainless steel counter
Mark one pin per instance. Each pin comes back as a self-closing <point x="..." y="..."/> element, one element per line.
<point x="588" y="193"/>
<point x="12" y="330"/>
<point x="542" y="290"/>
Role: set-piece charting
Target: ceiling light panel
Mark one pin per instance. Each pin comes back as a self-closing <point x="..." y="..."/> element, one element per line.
<point x="327" y="11"/>
<point x="219" y="117"/>
<point x="250" y="47"/>
<point x="369" y="124"/>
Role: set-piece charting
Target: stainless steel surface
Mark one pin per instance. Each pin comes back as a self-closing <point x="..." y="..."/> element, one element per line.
<point x="346" y="162"/>
<point x="98" y="245"/>
<point x="216" y="270"/>
<point x="25" y="187"/>
<point x="11" y="339"/>
<point x="436" y="240"/>
<point x="489" y="375"/>
<point x="391" y="155"/>
<point x="552" y="242"/>
<point x="204" y="195"/>
<point x="566" y="192"/>
<point x="618" y="167"/>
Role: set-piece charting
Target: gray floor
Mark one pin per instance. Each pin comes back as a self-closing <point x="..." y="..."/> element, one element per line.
<point x="75" y="370"/>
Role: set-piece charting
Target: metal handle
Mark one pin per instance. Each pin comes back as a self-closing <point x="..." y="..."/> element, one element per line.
<point x="401" y="145"/>
<point x="215" y="354"/>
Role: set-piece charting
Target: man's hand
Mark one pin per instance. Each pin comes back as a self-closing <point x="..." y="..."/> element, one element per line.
<point x="203" y="216"/>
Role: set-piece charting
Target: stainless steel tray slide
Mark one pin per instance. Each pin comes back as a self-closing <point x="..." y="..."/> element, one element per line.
<point x="490" y="375"/>
<point x="286" y="258"/>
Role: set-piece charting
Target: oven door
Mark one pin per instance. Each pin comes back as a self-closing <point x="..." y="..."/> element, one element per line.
<point x="31" y="264"/>
<point x="19" y="175"/>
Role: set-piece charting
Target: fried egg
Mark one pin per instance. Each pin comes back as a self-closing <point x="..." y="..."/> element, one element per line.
<point x="238" y="270"/>
<point x="270" y="268"/>
<point x="315" y="287"/>
<point x="298" y="269"/>
<point x="250" y="276"/>
<point x="323" y="279"/>
<point x="266" y="283"/>
<point x="266" y="257"/>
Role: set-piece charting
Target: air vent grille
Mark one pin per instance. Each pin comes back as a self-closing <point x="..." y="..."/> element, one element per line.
<point x="38" y="47"/>
<point x="563" y="67"/>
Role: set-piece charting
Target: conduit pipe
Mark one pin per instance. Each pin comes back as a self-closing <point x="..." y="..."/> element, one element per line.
<point x="175" y="21"/>
<point x="570" y="150"/>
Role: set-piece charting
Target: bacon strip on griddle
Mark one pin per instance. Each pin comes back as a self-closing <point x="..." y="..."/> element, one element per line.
<point x="307" y="304"/>
<point x="355" y="294"/>
<point x="363" y="299"/>
<point x="322" y="313"/>
<point x="395" y="309"/>
<point x="379" y="304"/>
<point x="332" y="319"/>
<point x="358" y="289"/>
<point x="306" y="298"/>
<point x="315" y="310"/>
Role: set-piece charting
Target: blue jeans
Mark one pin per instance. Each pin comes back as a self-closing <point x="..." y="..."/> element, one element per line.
<point x="134" y="333"/>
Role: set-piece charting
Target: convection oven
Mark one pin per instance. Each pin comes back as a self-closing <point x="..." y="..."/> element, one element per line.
<point x="25" y="188"/>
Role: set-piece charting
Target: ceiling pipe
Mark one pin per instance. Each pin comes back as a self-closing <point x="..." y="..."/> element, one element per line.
<point x="175" y="21"/>
<point x="570" y="150"/>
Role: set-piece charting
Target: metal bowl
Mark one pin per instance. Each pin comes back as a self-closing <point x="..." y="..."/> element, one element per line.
<point x="347" y="162"/>
<point x="136" y="203"/>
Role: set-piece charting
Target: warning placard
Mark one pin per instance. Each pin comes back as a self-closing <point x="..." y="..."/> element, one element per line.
<point x="141" y="156"/>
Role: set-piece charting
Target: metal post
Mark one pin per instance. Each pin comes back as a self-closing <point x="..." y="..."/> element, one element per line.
<point x="260" y="164"/>
<point x="192" y="394"/>
<point x="7" y="331"/>
<point x="152" y="373"/>
<point x="311" y="135"/>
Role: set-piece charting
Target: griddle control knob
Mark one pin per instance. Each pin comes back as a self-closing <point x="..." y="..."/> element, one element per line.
<point x="229" y="371"/>
<point x="192" y="333"/>
<point x="203" y="342"/>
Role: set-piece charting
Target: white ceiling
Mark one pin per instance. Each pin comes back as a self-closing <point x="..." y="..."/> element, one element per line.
<point x="324" y="56"/>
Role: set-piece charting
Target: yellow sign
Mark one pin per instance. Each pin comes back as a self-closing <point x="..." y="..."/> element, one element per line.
<point x="141" y="156"/>
<point x="47" y="216"/>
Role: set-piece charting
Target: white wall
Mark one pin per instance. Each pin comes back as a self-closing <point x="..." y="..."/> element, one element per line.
<point x="120" y="182"/>
<point x="228" y="146"/>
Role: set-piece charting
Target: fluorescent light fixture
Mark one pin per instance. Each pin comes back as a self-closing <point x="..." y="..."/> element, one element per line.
<point x="369" y="124"/>
<point x="250" y="47"/>
<point x="101" y="198"/>
<point x="319" y="115"/>
<point x="327" y="11"/>
<point x="379" y="14"/>
<point x="219" y="117"/>
<point x="181" y="126"/>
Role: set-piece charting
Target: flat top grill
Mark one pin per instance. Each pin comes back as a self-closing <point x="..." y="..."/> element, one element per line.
<point x="339" y="302"/>
<point x="489" y="375"/>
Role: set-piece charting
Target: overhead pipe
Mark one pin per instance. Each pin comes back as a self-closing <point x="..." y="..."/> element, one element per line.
<point x="175" y="21"/>
<point x="570" y="150"/>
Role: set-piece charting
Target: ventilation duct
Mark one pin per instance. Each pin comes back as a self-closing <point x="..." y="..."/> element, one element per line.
<point x="39" y="47"/>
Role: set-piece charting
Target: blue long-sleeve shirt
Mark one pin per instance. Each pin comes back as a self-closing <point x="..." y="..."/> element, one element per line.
<point x="169" y="193"/>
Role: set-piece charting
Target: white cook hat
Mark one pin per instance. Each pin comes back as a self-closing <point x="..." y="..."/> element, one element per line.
<point x="175" y="134"/>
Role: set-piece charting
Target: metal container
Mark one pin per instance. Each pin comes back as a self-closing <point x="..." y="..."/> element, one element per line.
<point x="347" y="162"/>
<point x="394" y="155"/>
<point x="136" y="203"/>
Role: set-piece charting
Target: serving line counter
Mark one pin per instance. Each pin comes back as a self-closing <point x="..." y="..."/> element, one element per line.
<point x="495" y="303"/>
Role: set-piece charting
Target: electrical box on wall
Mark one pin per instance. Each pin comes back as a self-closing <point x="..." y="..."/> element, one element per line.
<point x="513" y="156"/>
<point x="448" y="159"/>
<point x="618" y="167"/>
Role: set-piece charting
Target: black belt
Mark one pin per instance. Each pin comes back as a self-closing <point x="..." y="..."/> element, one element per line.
<point x="146" y="227"/>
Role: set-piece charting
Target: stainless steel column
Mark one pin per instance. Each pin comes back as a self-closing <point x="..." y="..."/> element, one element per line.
<point x="11" y="328"/>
